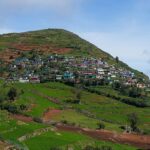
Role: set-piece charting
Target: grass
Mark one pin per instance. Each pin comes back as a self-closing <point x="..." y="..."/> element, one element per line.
<point x="11" y="129"/>
<point x="92" y="109"/>
<point x="66" y="140"/>
<point x="52" y="139"/>
<point x="113" y="113"/>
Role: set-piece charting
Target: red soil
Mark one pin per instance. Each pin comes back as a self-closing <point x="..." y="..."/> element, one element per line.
<point x="22" y="118"/>
<point x="8" y="55"/>
<point x="41" y="48"/>
<point x="50" y="113"/>
<point x="140" y="141"/>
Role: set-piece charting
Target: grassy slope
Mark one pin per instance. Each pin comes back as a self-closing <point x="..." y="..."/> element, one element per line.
<point x="112" y="112"/>
<point x="11" y="130"/>
<point x="60" y="38"/>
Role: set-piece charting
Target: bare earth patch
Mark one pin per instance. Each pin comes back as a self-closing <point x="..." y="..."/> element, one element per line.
<point x="22" y="118"/>
<point x="50" y="113"/>
<point x="140" y="141"/>
<point x="15" y="51"/>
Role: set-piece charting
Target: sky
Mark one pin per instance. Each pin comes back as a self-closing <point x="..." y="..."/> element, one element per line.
<point x="119" y="27"/>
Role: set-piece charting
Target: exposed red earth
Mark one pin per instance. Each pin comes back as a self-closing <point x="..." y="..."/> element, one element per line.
<point x="22" y="118"/>
<point x="140" y="141"/>
<point x="16" y="50"/>
<point x="48" y="115"/>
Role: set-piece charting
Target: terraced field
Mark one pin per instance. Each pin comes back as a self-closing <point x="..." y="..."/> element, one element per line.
<point x="48" y="103"/>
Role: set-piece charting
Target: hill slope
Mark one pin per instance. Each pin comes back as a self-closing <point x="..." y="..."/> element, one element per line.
<point x="46" y="105"/>
<point x="53" y="41"/>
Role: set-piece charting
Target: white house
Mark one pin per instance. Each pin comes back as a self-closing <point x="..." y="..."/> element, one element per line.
<point x="23" y="80"/>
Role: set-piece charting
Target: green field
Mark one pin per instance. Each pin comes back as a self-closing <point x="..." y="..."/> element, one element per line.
<point x="11" y="130"/>
<point x="92" y="109"/>
<point x="112" y="112"/>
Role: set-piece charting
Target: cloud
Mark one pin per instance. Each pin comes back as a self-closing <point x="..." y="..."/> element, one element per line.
<point x="56" y="5"/>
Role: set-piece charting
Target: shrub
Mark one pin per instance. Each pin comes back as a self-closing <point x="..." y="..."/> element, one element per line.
<point x="23" y="107"/>
<point x="12" y="93"/>
<point x="101" y="125"/>
<point x="38" y="120"/>
<point x="11" y="108"/>
<point x="64" y="121"/>
<point x="133" y="121"/>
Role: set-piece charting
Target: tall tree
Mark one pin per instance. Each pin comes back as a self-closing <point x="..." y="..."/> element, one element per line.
<point x="12" y="93"/>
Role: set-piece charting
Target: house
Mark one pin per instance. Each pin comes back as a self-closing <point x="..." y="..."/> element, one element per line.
<point x="113" y="76"/>
<point x="99" y="77"/>
<point x="23" y="80"/>
<point x="101" y="71"/>
<point x="141" y="86"/>
<point x="34" y="79"/>
<point x="68" y="75"/>
<point x="59" y="77"/>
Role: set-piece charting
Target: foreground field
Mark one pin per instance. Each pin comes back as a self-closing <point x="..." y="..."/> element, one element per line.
<point x="49" y="103"/>
<point x="39" y="98"/>
<point x="35" y="136"/>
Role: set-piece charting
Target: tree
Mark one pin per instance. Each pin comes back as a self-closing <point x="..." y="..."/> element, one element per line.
<point x="101" y="125"/>
<point x="116" y="85"/>
<point x="134" y="92"/>
<point x="117" y="59"/>
<point x="12" y="93"/>
<point x="133" y="120"/>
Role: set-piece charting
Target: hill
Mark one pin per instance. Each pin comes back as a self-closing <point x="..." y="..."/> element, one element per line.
<point x="52" y="41"/>
<point x="60" y="92"/>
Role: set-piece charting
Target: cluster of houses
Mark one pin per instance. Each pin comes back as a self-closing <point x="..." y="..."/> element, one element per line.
<point x="59" y="67"/>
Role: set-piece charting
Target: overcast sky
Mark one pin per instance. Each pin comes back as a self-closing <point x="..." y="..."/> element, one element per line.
<point x="120" y="27"/>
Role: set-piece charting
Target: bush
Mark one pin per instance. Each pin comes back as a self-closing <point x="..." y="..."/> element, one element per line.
<point x="23" y="107"/>
<point x="133" y="121"/>
<point x="64" y="121"/>
<point x="101" y="125"/>
<point x="2" y="98"/>
<point x="73" y="101"/>
<point x="38" y="120"/>
<point x="12" y="93"/>
<point x="11" y="108"/>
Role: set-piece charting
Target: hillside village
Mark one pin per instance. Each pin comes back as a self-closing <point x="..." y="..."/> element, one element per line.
<point x="69" y="68"/>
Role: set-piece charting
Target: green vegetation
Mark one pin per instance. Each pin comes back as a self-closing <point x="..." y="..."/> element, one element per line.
<point x="95" y="105"/>
<point x="131" y="96"/>
<point x="38" y="98"/>
<point x="70" y="140"/>
<point x="133" y="120"/>
<point x="11" y="130"/>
